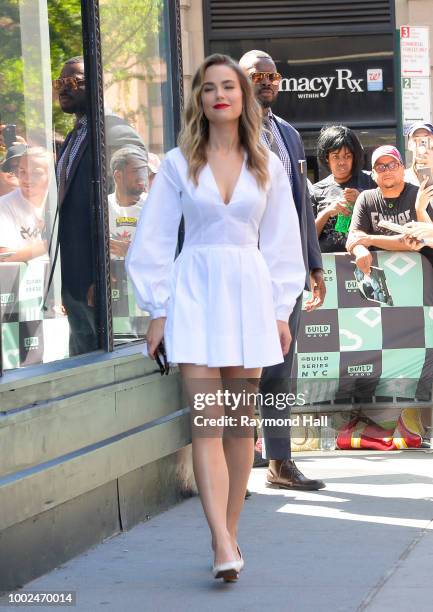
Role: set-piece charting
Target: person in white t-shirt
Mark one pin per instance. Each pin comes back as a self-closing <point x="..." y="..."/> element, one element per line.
<point x="22" y="211"/>
<point x="130" y="169"/>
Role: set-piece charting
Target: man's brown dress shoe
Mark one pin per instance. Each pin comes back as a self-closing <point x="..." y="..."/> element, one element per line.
<point x="285" y="475"/>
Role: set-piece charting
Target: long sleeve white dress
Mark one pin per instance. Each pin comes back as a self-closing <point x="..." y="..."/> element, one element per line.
<point x="240" y="268"/>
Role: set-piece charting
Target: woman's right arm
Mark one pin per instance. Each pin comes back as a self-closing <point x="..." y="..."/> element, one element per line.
<point x="151" y="254"/>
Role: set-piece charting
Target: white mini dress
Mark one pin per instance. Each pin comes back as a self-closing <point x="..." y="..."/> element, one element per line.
<point x="240" y="268"/>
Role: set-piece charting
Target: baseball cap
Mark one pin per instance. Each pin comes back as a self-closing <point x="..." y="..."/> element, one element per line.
<point x="420" y="126"/>
<point x="13" y="151"/>
<point x="121" y="155"/>
<point x="386" y="150"/>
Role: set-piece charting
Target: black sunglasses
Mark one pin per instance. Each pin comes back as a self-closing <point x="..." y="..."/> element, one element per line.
<point x="69" y="82"/>
<point x="258" y="77"/>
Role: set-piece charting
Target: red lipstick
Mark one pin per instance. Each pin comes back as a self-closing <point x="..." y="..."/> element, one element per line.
<point x="218" y="106"/>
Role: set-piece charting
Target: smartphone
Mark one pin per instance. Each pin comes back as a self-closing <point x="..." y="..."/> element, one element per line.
<point x="9" y="135"/>
<point x="423" y="173"/>
<point x="422" y="144"/>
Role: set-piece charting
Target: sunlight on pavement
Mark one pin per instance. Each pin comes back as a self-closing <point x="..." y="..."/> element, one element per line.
<point x="338" y="513"/>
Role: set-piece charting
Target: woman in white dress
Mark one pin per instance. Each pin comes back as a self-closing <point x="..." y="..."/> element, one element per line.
<point x="223" y="305"/>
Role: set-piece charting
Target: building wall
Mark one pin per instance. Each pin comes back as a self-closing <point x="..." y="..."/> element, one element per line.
<point x="417" y="13"/>
<point x="86" y="452"/>
<point x="192" y="39"/>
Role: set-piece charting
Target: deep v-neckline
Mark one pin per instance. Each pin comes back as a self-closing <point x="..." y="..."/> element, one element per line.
<point x="235" y="186"/>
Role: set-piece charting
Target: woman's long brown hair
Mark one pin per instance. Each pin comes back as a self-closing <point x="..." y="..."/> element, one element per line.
<point x="194" y="135"/>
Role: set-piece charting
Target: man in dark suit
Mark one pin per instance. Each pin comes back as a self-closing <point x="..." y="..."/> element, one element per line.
<point x="286" y="142"/>
<point x="77" y="232"/>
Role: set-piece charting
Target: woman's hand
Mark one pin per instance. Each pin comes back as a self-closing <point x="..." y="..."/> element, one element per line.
<point x="155" y="334"/>
<point x="285" y="336"/>
<point x="351" y="194"/>
<point x="337" y="207"/>
<point x="424" y="196"/>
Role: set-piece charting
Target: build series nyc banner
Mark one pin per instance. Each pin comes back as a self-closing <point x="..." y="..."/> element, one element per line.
<point x="373" y="336"/>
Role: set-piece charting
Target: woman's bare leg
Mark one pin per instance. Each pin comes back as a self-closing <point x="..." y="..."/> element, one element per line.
<point x="239" y="443"/>
<point x="209" y="461"/>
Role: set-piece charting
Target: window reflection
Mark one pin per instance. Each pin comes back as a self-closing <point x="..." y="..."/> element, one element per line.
<point x="135" y="49"/>
<point x="47" y="221"/>
<point x="36" y="40"/>
<point x="23" y="214"/>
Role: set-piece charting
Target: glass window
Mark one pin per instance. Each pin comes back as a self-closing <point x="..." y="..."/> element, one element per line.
<point x="139" y="129"/>
<point x="47" y="271"/>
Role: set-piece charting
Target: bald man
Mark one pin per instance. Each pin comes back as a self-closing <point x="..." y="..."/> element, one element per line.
<point x="285" y="141"/>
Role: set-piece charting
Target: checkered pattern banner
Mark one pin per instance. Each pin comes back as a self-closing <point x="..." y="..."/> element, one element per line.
<point x="358" y="347"/>
<point x="129" y="322"/>
<point x="30" y="335"/>
<point x="33" y="335"/>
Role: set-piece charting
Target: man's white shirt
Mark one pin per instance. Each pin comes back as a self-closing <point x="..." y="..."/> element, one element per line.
<point x="124" y="219"/>
<point x="21" y="223"/>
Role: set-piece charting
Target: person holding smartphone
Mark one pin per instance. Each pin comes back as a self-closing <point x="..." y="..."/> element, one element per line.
<point x="420" y="143"/>
<point x="9" y="169"/>
<point x="22" y="211"/>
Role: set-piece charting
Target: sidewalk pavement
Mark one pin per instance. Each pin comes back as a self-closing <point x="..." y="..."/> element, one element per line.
<point x="363" y="543"/>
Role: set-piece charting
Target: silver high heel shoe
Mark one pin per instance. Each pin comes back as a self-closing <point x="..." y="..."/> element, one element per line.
<point x="228" y="571"/>
<point x="241" y="559"/>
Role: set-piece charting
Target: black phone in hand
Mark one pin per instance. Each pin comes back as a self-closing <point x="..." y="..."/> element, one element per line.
<point x="423" y="173"/>
<point x="9" y="135"/>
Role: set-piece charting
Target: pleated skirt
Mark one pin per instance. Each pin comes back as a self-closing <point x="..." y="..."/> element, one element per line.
<point x="221" y="312"/>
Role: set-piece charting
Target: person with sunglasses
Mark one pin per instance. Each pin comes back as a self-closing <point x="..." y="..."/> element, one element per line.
<point x="285" y="142"/>
<point x="393" y="200"/>
<point x="222" y="306"/>
<point x="74" y="172"/>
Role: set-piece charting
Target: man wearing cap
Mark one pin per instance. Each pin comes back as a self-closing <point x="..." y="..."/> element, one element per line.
<point x="130" y="170"/>
<point x="9" y="169"/>
<point x="392" y="200"/>
<point x="420" y="143"/>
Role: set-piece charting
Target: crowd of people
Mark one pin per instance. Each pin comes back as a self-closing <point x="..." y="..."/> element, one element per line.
<point x="227" y="309"/>
<point x="197" y="308"/>
<point x="350" y="203"/>
<point x="34" y="228"/>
